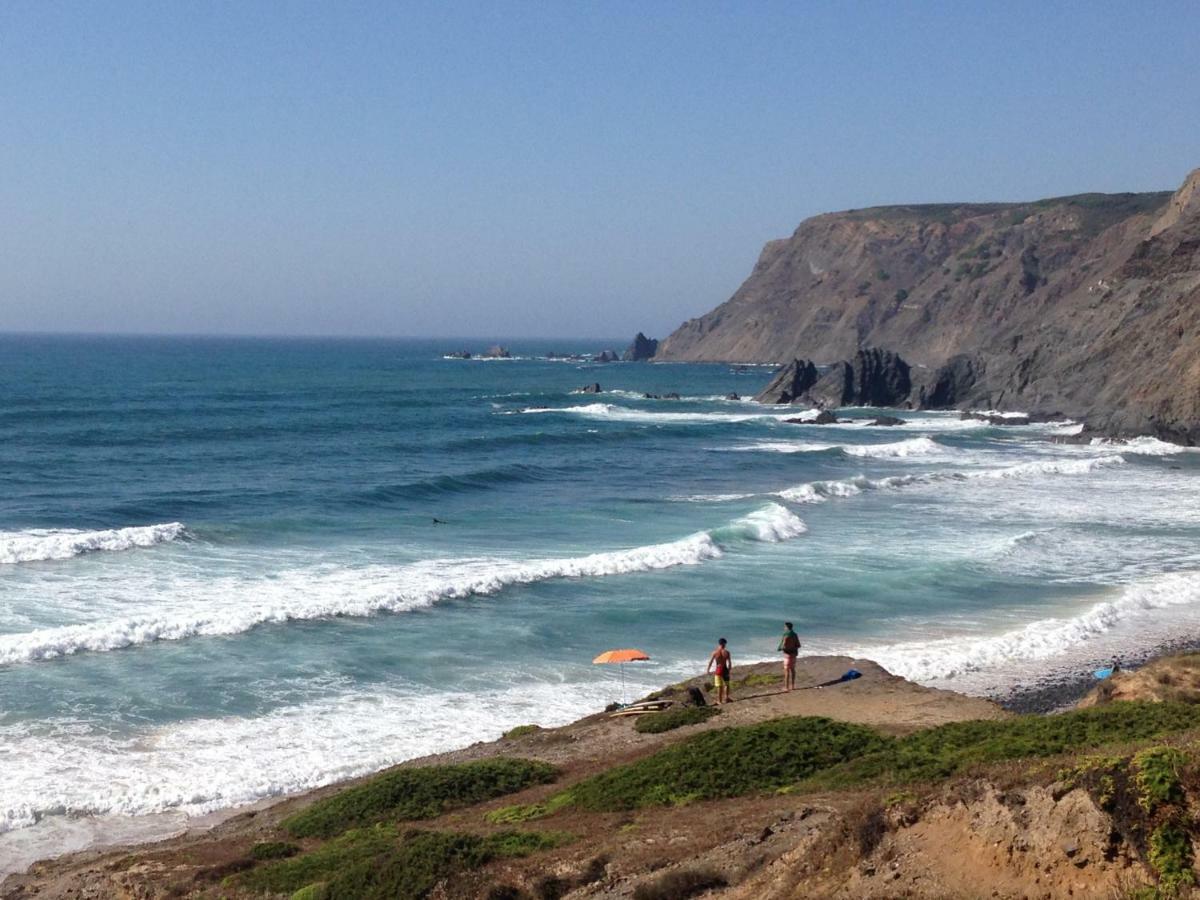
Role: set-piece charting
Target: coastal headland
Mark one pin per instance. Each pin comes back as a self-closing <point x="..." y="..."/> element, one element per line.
<point x="875" y="787"/>
<point x="1084" y="306"/>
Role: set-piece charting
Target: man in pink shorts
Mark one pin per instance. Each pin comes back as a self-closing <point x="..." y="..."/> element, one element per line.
<point x="790" y="647"/>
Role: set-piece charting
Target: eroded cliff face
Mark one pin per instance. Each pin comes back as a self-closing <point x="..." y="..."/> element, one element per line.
<point x="1086" y="305"/>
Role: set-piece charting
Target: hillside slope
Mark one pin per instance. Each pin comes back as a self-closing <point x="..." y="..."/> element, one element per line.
<point x="1087" y="305"/>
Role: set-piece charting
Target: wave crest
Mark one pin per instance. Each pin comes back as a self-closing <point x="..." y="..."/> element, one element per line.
<point x="308" y="594"/>
<point x="41" y="544"/>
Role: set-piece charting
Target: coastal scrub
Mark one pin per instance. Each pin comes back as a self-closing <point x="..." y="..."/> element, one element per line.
<point x="417" y="793"/>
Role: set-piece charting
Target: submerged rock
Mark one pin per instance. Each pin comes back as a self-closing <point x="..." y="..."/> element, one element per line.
<point x="887" y="421"/>
<point x="593" y="388"/>
<point x="497" y="352"/>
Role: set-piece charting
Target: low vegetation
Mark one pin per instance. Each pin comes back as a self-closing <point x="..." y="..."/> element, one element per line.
<point x="954" y="748"/>
<point x="726" y="763"/>
<point x="417" y="793"/>
<point x="521" y="731"/>
<point x="670" y="719"/>
<point x="380" y="862"/>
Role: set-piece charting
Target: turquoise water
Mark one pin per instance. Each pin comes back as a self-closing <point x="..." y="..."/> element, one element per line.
<point x="221" y="579"/>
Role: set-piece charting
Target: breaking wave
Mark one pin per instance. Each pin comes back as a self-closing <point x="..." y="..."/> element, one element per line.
<point x="953" y="657"/>
<point x="820" y="491"/>
<point x="221" y="607"/>
<point x="40" y="544"/>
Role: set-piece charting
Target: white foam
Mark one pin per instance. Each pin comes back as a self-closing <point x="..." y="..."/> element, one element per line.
<point x="1144" y="446"/>
<point x="616" y="413"/>
<point x="920" y="446"/>
<point x="40" y="544"/>
<point x="772" y="523"/>
<point x="953" y="657"/>
<point x="232" y="605"/>
<point x="820" y="491"/>
<point x="203" y="765"/>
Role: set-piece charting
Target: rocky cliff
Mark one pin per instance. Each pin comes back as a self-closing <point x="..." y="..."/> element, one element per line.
<point x="1087" y="305"/>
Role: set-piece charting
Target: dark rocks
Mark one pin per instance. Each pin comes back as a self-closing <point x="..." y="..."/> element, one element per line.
<point x="671" y="395"/>
<point x="790" y="383"/>
<point x="993" y="419"/>
<point x="873" y="378"/>
<point x="459" y="354"/>
<point x="732" y="397"/>
<point x="497" y="352"/>
<point x="642" y="349"/>
<point x="887" y="421"/>
<point x="605" y="356"/>
<point x="593" y="388"/>
<point x="824" y="417"/>
<point x="948" y="385"/>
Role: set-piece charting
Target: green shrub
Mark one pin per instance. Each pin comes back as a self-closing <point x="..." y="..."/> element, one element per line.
<point x="948" y="749"/>
<point x="1157" y="777"/>
<point x="726" y="763"/>
<point x="273" y="850"/>
<point x="901" y="295"/>
<point x="1171" y="857"/>
<point x="521" y="731"/>
<point x="417" y="793"/>
<point x="670" y="719"/>
<point x="354" y="847"/>
<point x="380" y="863"/>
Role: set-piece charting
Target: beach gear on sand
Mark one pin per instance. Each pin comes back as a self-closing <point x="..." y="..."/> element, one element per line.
<point x="850" y="675"/>
<point x="1101" y="674"/>
<point x="620" y="657"/>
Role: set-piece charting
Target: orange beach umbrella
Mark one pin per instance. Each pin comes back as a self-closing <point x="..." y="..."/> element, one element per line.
<point x="619" y="656"/>
<point x="622" y="657"/>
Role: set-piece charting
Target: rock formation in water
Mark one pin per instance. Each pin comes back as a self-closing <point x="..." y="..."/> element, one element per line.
<point x="1086" y="305"/>
<point x="642" y="349"/>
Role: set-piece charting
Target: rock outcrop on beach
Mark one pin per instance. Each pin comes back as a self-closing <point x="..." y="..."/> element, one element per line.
<point x="642" y="349"/>
<point x="872" y="378"/>
<point x="1086" y="305"/>
<point x="790" y="383"/>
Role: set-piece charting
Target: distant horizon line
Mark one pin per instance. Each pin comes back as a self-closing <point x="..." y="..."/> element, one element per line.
<point x="274" y="336"/>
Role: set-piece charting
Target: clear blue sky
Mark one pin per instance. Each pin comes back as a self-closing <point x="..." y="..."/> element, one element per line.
<point x="551" y="168"/>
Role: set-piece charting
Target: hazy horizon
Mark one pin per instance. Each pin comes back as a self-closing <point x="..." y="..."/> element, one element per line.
<point x="376" y="170"/>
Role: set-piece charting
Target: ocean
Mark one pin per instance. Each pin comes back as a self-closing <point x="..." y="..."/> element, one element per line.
<point x="232" y="569"/>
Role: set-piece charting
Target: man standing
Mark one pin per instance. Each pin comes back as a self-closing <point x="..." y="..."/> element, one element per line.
<point x="790" y="647"/>
<point x="720" y="663"/>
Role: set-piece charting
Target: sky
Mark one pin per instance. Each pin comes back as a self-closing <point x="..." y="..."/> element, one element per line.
<point x="540" y="169"/>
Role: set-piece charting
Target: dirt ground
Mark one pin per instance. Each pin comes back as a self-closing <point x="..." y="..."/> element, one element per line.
<point x="614" y="852"/>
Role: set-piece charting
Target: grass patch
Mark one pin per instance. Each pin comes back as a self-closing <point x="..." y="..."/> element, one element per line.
<point x="950" y="749"/>
<point x="521" y="731"/>
<point x="379" y="862"/>
<point x="670" y="719"/>
<point x="726" y="763"/>
<point x="526" y="812"/>
<point x="1158" y="776"/>
<point x="273" y="850"/>
<point x="417" y="793"/>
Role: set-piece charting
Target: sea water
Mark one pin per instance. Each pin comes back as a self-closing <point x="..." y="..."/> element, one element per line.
<point x="233" y="569"/>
